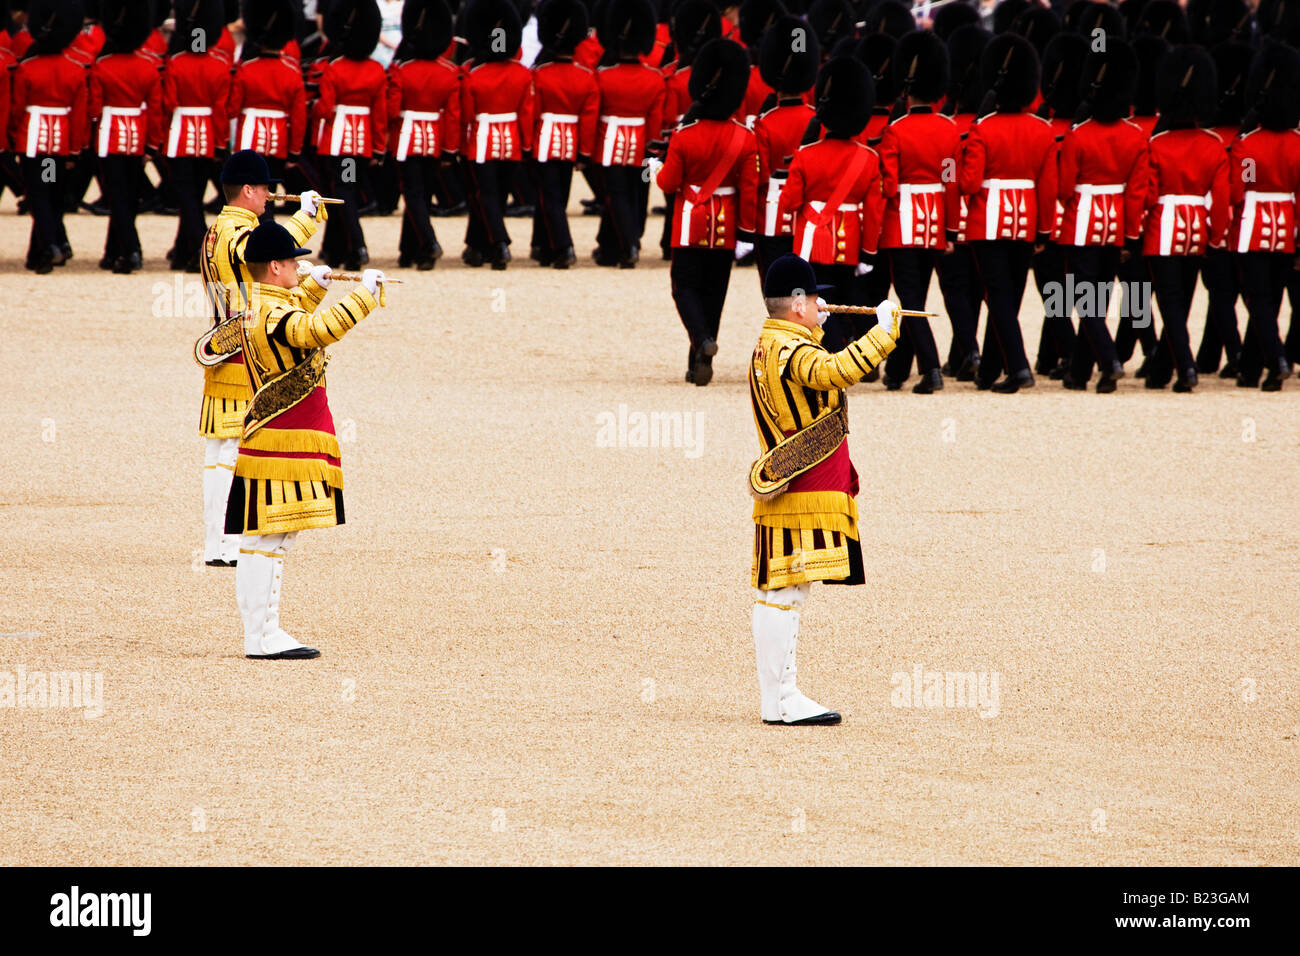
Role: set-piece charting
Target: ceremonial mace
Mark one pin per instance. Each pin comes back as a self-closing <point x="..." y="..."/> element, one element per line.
<point x="871" y="310"/>
<point x="290" y="197"/>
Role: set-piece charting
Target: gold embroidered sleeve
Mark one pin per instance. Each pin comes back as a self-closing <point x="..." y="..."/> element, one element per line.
<point x="301" y="226"/>
<point x="308" y="295"/>
<point x="303" y="329"/>
<point x="812" y="366"/>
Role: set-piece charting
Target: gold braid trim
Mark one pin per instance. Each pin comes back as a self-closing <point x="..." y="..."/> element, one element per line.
<point x="284" y="392"/>
<point x="811" y="510"/>
<point x="791" y="457"/>
<point x="289" y="469"/>
<point x="875" y="345"/>
<point x="293" y="439"/>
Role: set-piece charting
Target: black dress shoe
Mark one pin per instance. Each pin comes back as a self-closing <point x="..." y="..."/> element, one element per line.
<point x="931" y="382"/>
<point x="873" y="375"/>
<point x="122" y="266"/>
<point x="427" y="263"/>
<point x="500" y="256"/>
<point x="471" y="257"/>
<point x="1248" y="379"/>
<point x="690" y="365"/>
<point x="1106" y="384"/>
<point x="891" y="384"/>
<point x="521" y="210"/>
<point x="106" y="263"/>
<point x="946" y="368"/>
<point x="969" y="368"/>
<point x="1153" y="383"/>
<point x="405" y="262"/>
<point x="442" y="212"/>
<point x="363" y="257"/>
<point x="1073" y="384"/>
<point x="1143" y="369"/>
<point x="1058" y="371"/>
<point x="1184" y="385"/>
<point x="351" y="264"/>
<point x="828" y="719"/>
<point x="540" y="255"/>
<point x="1014" y="382"/>
<point x="1273" y="381"/>
<point x="292" y="654"/>
<point x="565" y="259"/>
<point x="703" y="371"/>
<point x="42" y="267"/>
<point x="65" y="252"/>
<point x="630" y="260"/>
<point x="1229" y="370"/>
<point x="604" y="258"/>
<point x="220" y="563"/>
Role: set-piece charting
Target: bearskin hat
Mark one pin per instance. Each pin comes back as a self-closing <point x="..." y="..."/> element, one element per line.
<point x="693" y="23"/>
<point x="756" y="18"/>
<point x="965" y="87"/>
<point x="1006" y="12"/>
<point x="788" y="57"/>
<point x="1009" y="71"/>
<point x="353" y="26"/>
<point x="426" y="28"/>
<point x="492" y="30"/>
<point x="54" y="24"/>
<point x="1151" y="52"/>
<point x="1232" y="60"/>
<point x="197" y="19"/>
<point x="1279" y="19"/>
<point x="270" y="24"/>
<point x="1107" y="80"/>
<point x="628" y="28"/>
<point x="845" y="96"/>
<point x="891" y="17"/>
<point x="1087" y="17"/>
<point x="1131" y="12"/>
<point x="1186" y="88"/>
<point x="921" y="66"/>
<point x="1165" y="19"/>
<point x="1218" y="21"/>
<point x="832" y="21"/>
<point x="953" y="15"/>
<point x="719" y="78"/>
<point x="877" y="50"/>
<point x="1062" y="64"/>
<point x="1271" y="88"/>
<point x="126" y="23"/>
<point x="1037" y="25"/>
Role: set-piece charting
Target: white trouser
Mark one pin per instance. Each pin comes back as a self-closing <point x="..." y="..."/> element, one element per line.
<point x="776" y="630"/>
<point x="257" y="587"/>
<point x="218" y="472"/>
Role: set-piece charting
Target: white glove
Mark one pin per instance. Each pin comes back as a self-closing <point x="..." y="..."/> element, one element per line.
<point x="821" y="316"/>
<point x="743" y="249"/>
<point x="654" y="164"/>
<point x="371" y="280"/>
<point x="887" y="316"/>
<point x="321" y="275"/>
<point x="310" y="200"/>
<point x="862" y="269"/>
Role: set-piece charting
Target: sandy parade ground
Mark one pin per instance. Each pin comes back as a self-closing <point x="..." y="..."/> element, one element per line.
<point x="535" y="622"/>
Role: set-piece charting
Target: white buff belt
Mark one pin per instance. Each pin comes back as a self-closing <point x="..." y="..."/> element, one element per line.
<point x="483" y="129"/>
<point x="341" y="113"/>
<point x="907" y="206"/>
<point x="1250" y="209"/>
<point x="1083" y="212"/>
<point x="772" y="207"/>
<point x="248" y="135"/>
<point x="789" y="458"/>
<point x="810" y="230"/>
<point x="409" y="119"/>
<point x="684" y="236"/>
<point x="106" y="123"/>
<point x="35" y="123"/>
<point x="612" y="125"/>
<point x="549" y="122"/>
<point x="178" y="122"/>
<point x="993" y="206"/>
<point x="1169" y="217"/>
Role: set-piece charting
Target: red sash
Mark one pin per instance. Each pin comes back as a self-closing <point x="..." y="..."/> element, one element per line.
<point x="729" y="156"/>
<point x="847" y="182"/>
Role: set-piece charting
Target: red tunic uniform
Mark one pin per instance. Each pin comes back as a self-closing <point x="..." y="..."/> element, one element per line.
<point x="777" y="134"/>
<point x="835" y="197"/>
<point x="1264" y="208"/>
<point x="423" y="108"/>
<point x="756" y="94"/>
<point x="568" y="109"/>
<point x="631" y="103"/>
<point x="711" y="169"/>
<point x="125" y="97"/>
<point x="677" y="95"/>
<point x="351" y="111"/>
<point x="49" y="106"/>
<point x="7" y="64"/>
<point x="268" y="107"/>
<point x="499" y="110"/>
<point x="917" y="172"/>
<point x="195" y="90"/>
<point x="1103" y="181"/>
<point x="588" y="52"/>
<point x="1187" y="195"/>
<point x="1007" y="166"/>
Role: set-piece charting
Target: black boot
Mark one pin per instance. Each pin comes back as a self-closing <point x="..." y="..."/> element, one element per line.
<point x="931" y="382"/>
<point x="564" y="259"/>
<point x="500" y="256"/>
<point x="1014" y="382"/>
